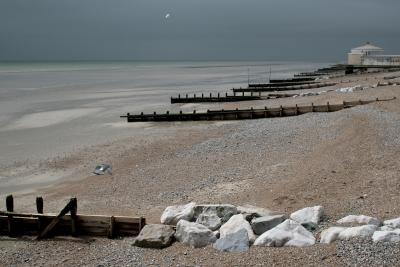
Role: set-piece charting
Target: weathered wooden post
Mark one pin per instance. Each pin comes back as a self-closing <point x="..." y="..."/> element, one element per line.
<point x="327" y="106"/>
<point x="186" y="96"/>
<point x="312" y="107"/>
<point x="179" y="96"/>
<point x="39" y="205"/>
<point x="218" y="95"/>
<point x="280" y="111"/>
<point x="111" y="231"/>
<point x="10" y="203"/>
<point x="74" y="221"/>
<point x="10" y="208"/>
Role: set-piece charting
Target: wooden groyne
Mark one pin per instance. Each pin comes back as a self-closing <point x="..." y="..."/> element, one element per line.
<point x="283" y="88"/>
<point x="299" y="79"/>
<point x="236" y="97"/>
<point x="311" y="74"/>
<point x="46" y="225"/>
<point x="280" y="84"/>
<point x="216" y="98"/>
<point x="245" y="114"/>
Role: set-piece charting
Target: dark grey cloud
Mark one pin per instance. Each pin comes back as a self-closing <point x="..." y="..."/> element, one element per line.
<point x="196" y="29"/>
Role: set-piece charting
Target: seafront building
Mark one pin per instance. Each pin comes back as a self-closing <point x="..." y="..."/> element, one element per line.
<point x="371" y="55"/>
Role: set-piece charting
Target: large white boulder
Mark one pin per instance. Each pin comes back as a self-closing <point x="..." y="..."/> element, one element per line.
<point x="386" y="228"/>
<point x="236" y="223"/>
<point x="193" y="234"/>
<point x="387" y="236"/>
<point x="223" y="211"/>
<point x="365" y="231"/>
<point x="255" y="211"/>
<point x="309" y="217"/>
<point x="288" y="233"/>
<point x="331" y="234"/>
<point x="359" y="219"/>
<point x="173" y="214"/>
<point x="262" y="224"/>
<point x="233" y="242"/>
<point x="155" y="236"/>
<point x="210" y="220"/>
<point x="394" y="223"/>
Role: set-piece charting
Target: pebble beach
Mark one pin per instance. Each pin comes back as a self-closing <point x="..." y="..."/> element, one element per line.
<point x="346" y="161"/>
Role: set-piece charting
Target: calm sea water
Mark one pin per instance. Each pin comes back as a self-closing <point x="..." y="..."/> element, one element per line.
<point x="51" y="107"/>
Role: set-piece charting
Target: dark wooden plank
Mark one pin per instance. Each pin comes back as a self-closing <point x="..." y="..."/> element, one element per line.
<point x="54" y="222"/>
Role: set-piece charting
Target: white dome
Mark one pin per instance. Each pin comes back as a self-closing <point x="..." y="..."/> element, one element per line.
<point x="366" y="48"/>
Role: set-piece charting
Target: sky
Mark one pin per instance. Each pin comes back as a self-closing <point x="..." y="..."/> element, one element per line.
<point x="290" y="30"/>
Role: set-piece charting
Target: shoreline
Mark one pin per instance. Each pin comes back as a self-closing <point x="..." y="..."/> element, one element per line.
<point x="328" y="159"/>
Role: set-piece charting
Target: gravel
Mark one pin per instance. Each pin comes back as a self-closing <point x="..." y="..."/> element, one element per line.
<point x="366" y="253"/>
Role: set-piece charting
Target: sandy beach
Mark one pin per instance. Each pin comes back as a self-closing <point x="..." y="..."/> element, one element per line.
<point x="346" y="161"/>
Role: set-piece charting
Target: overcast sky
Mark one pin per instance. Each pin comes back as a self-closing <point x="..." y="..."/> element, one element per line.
<point x="321" y="30"/>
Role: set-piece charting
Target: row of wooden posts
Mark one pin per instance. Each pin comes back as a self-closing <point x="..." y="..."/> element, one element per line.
<point x="240" y="114"/>
<point x="44" y="225"/>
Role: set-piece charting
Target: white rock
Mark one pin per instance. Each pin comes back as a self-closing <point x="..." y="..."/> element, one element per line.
<point x="387" y="236"/>
<point x="155" y="236"/>
<point x="212" y="221"/>
<point x="308" y="217"/>
<point x="360" y="219"/>
<point x="193" y="234"/>
<point x="386" y="228"/>
<point x="173" y="214"/>
<point x="331" y="234"/>
<point x="365" y="231"/>
<point x="257" y="211"/>
<point x="234" y="224"/>
<point x="288" y="233"/>
<point x="223" y="211"/>
<point x="233" y="242"/>
<point x="394" y="223"/>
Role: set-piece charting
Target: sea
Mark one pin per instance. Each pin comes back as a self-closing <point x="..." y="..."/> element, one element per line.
<point x="52" y="107"/>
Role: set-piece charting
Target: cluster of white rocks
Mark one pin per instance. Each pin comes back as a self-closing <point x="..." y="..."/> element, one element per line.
<point x="230" y="228"/>
<point x="367" y="227"/>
